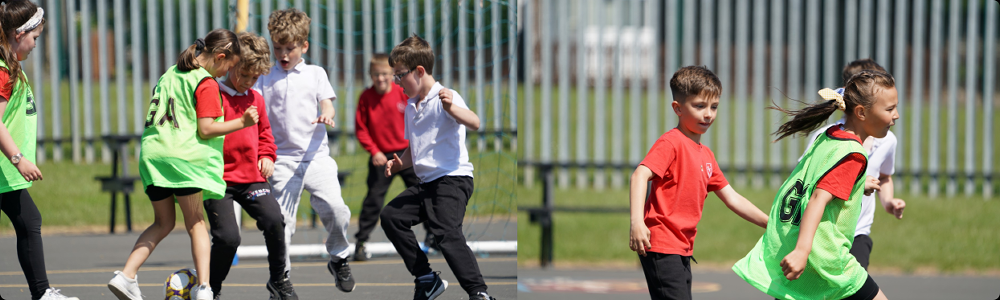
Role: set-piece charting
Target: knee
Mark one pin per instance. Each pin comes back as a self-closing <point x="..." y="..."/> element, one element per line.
<point x="387" y="216"/>
<point x="164" y="226"/>
<point x="229" y="239"/>
<point x="271" y="223"/>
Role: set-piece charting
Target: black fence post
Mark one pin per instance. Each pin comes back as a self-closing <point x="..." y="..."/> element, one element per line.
<point x="548" y="205"/>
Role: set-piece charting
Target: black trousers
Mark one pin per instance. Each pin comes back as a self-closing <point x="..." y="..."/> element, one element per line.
<point x="441" y="204"/>
<point x="378" y="185"/>
<point x="257" y="200"/>
<point x="862" y="249"/>
<point x="27" y="222"/>
<point x="668" y="276"/>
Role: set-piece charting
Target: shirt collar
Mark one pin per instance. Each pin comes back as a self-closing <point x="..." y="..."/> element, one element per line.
<point x="299" y="67"/>
<point x="431" y="94"/>
<point x="228" y="90"/>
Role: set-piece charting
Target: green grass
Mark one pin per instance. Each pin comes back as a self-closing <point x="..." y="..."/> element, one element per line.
<point x="951" y="235"/>
<point x="70" y="197"/>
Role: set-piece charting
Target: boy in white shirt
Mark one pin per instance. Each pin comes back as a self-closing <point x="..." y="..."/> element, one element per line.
<point x="436" y="120"/>
<point x="881" y="165"/>
<point x="299" y="101"/>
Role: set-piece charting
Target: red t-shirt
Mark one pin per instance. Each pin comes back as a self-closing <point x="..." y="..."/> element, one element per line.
<point x="379" y="120"/>
<point x="840" y="180"/>
<point x="243" y="148"/>
<point x="4" y="91"/>
<point x="685" y="172"/>
<point x="206" y="97"/>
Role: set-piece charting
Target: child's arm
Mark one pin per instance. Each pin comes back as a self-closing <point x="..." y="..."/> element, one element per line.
<point x="208" y="128"/>
<point x="638" y="232"/>
<point x="28" y="170"/>
<point x="397" y="164"/>
<point x="326" y="112"/>
<point x="462" y="115"/>
<point x="892" y="205"/>
<point x="795" y="262"/>
<point x="741" y="206"/>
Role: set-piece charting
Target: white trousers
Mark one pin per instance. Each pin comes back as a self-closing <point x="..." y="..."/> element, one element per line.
<point x="319" y="177"/>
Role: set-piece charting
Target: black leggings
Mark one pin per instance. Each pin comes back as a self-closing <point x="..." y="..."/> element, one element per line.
<point x="27" y="221"/>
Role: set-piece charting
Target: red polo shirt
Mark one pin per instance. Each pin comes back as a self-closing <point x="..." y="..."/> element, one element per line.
<point x="379" y="120"/>
<point x="243" y="148"/>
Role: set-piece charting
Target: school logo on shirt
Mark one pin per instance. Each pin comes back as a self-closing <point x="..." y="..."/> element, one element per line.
<point x="708" y="169"/>
<point x="401" y="107"/>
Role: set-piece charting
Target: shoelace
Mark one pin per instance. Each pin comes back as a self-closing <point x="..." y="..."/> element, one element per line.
<point x="343" y="271"/>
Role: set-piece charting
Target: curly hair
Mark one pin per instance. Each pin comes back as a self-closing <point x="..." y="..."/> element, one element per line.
<point x="289" y="26"/>
<point x="256" y="56"/>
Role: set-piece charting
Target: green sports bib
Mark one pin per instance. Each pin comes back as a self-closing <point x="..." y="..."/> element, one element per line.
<point x="173" y="155"/>
<point x="21" y="121"/>
<point x="831" y="272"/>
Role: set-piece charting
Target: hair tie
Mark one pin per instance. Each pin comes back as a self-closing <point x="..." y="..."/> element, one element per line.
<point x="33" y="22"/>
<point x="199" y="44"/>
<point x="838" y="98"/>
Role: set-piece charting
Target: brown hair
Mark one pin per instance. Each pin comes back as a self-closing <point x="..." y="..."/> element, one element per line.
<point x="695" y="81"/>
<point x="217" y="41"/>
<point x="13" y="14"/>
<point x="256" y="56"/>
<point x="412" y="52"/>
<point x="379" y="59"/>
<point x="859" y="90"/>
<point x="855" y="67"/>
<point x="288" y="26"/>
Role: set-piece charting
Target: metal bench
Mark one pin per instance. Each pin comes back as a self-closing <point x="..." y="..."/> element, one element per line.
<point x="119" y="183"/>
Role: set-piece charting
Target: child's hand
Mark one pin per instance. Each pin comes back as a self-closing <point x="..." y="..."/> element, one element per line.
<point x="379" y="159"/>
<point x="266" y="167"/>
<point x="794" y="263"/>
<point x="446" y="98"/>
<point x="393" y="166"/>
<point x="895" y="207"/>
<point x="871" y="185"/>
<point x="639" y="238"/>
<point x="29" y="170"/>
<point x="250" y="116"/>
<point x="325" y="120"/>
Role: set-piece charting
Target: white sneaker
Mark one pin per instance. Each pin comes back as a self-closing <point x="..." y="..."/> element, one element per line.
<point x="125" y="288"/>
<point x="202" y="292"/>
<point x="53" y="294"/>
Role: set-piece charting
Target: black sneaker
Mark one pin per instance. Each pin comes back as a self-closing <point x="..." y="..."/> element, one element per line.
<point x="342" y="272"/>
<point x="282" y="288"/>
<point x="360" y="253"/>
<point x="429" y="290"/>
<point x="481" y="296"/>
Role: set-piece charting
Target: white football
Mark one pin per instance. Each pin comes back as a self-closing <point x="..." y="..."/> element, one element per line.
<point x="179" y="284"/>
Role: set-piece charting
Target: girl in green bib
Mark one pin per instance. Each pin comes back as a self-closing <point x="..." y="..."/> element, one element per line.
<point x="805" y="251"/>
<point x="181" y="157"/>
<point x="21" y="22"/>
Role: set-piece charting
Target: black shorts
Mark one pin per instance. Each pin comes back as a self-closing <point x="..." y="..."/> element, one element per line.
<point x="668" y="276"/>
<point x="156" y="193"/>
<point x="868" y="291"/>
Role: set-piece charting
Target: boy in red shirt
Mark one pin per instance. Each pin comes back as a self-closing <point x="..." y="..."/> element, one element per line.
<point x="379" y="124"/>
<point x="683" y="171"/>
<point x="249" y="155"/>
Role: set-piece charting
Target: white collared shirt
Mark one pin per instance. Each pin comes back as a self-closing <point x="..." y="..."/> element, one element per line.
<point x="437" y="140"/>
<point x="292" y="99"/>
<point x="228" y="90"/>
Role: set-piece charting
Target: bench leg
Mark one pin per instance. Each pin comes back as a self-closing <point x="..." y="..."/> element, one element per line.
<point x="128" y="213"/>
<point x="113" y="201"/>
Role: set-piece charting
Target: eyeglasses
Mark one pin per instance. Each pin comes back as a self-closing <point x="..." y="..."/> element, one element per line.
<point x="399" y="77"/>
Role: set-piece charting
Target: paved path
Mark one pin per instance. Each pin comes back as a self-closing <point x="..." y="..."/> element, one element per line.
<point x="717" y="284"/>
<point x="82" y="265"/>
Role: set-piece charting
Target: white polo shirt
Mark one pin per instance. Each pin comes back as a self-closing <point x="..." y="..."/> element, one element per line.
<point x="292" y="99"/>
<point x="881" y="160"/>
<point x="437" y="141"/>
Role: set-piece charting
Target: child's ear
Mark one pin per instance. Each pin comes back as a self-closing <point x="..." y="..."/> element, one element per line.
<point x="677" y="107"/>
<point x="305" y="47"/>
<point x="420" y="71"/>
<point x="859" y="111"/>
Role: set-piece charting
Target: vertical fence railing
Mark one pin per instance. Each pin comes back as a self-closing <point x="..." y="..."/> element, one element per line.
<point x="110" y="53"/>
<point x="764" y="51"/>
